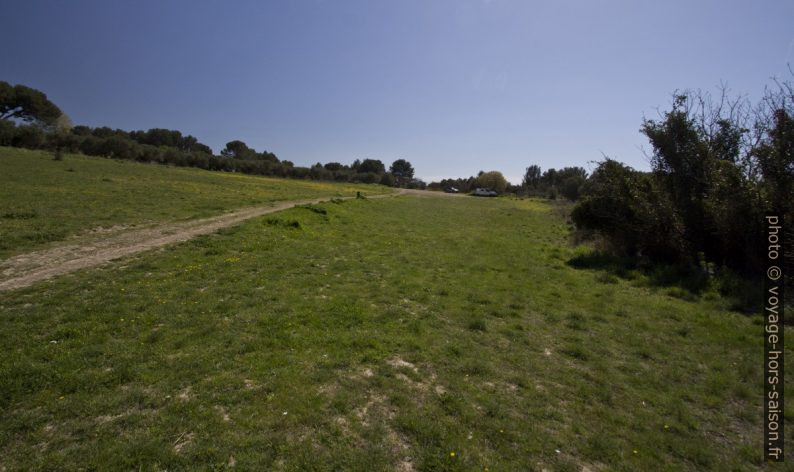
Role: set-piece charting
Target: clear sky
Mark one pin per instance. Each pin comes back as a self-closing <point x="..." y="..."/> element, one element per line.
<point x="454" y="86"/>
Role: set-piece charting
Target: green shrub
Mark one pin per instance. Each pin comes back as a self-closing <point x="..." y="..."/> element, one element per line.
<point x="292" y="224"/>
<point x="477" y="325"/>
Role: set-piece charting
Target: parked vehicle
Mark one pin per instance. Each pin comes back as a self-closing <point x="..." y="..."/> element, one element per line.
<point x="451" y="190"/>
<point x="484" y="192"/>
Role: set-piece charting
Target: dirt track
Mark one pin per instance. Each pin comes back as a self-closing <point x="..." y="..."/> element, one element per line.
<point x="26" y="269"/>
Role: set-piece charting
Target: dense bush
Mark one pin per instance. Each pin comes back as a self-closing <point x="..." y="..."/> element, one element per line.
<point x="571" y="181"/>
<point x="717" y="168"/>
<point x="27" y="136"/>
<point x="7" y="131"/>
<point x="492" y="180"/>
<point x="628" y="208"/>
<point x="567" y="181"/>
<point x="387" y="179"/>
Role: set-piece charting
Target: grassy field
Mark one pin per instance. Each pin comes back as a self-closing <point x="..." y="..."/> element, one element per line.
<point x="397" y="334"/>
<point x="42" y="200"/>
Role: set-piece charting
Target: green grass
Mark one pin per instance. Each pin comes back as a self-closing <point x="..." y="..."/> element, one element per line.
<point x="373" y="335"/>
<point x="42" y="200"/>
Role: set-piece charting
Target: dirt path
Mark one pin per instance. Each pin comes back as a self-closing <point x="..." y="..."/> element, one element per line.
<point x="26" y="269"/>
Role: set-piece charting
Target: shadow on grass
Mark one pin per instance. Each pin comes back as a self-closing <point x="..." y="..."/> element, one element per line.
<point x="681" y="281"/>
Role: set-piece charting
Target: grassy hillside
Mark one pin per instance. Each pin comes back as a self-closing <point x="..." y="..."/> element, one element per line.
<point x="396" y="334"/>
<point x="42" y="200"/>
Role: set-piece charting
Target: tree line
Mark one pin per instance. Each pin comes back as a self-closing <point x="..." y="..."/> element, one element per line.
<point x="566" y="182"/>
<point x="29" y="120"/>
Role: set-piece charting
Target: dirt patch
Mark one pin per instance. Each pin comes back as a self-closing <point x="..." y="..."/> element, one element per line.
<point x="108" y="418"/>
<point x="396" y="362"/>
<point x="405" y="465"/>
<point x="421" y="386"/>
<point x="182" y="441"/>
<point x="224" y="414"/>
<point x="367" y="373"/>
<point x="363" y="373"/>
<point x="363" y="412"/>
<point x="428" y="382"/>
<point x="378" y="410"/>
<point x="328" y="389"/>
<point x="103" y="419"/>
<point x="400" y="447"/>
<point x="341" y="421"/>
<point x="184" y="395"/>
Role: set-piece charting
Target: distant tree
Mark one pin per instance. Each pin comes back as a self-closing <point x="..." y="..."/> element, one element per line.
<point x="334" y="166"/>
<point x="7" y="132"/>
<point x="63" y="124"/>
<point x="28" y="136"/>
<point x="81" y="130"/>
<point x="388" y="180"/>
<point x="318" y="172"/>
<point x="163" y="137"/>
<point x="105" y="132"/>
<point x="549" y="178"/>
<point x="571" y="180"/>
<point x="267" y="156"/>
<point x="200" y="147"/>
<point x="238" y="150"/>
<point x="371" y="165"/>
<point x="169" y="138"/>
<point x="403" y="172"/>
<point x="367" y="177"/>
<point x="27" y="104"/>
<point x="117" y="147"/>
<point x="531" y="177"/>
<point x="299" y="172"/>
<point x="417" y="184"/>
<point x="61" y="139"/>
<point x="493" y="180"/>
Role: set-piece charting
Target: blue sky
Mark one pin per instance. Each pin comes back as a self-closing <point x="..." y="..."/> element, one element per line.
<point x="454" y="86"/>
